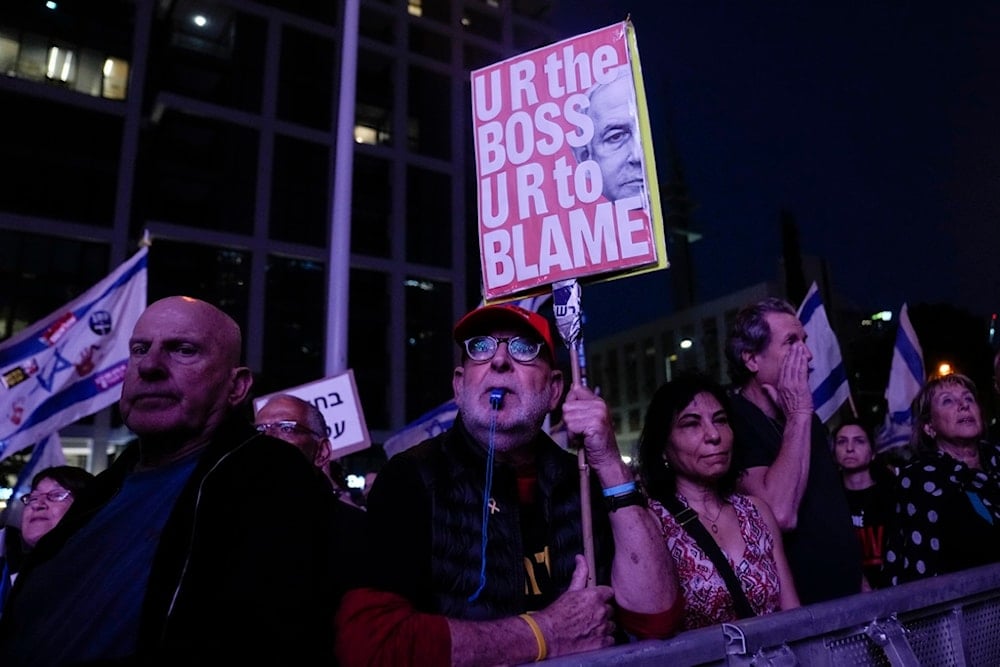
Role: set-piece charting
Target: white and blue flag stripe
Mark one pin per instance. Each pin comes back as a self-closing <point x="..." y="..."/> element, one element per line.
<point x="906" y="377"/>
<point x="827" y="376"/>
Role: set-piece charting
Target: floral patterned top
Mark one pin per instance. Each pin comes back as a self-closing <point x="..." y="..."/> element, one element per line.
<point x="947" y="517"/>
<point x="706" y="598"/>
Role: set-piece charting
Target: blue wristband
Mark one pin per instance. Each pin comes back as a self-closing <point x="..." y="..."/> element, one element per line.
<point x="619" y="490"/>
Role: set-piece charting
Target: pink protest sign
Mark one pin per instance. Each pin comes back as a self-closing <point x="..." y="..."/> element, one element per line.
<point x="564" y="165"/>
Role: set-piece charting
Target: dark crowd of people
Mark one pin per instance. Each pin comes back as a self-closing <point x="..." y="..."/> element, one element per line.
<point x="474" y="547"/>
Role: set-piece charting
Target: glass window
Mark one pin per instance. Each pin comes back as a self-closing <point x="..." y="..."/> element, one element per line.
<point x="430" y="43"/>
<point x="527" y="38"/>
<point x="220" y="276"/>
<point x="376" y="25"/>
<point x="428" y="223"/>
<point x="212" y="53"/>
<point x="648" y="369"/>
<point x="306" y="80"/>
<point x="199" y="172"/>
<point x="595" y="371"/>
<point x="536" y="9"/>
<point x="59" y="161"/>
<point x="41" y="273"/>
<point x="688" y="357"/>
<point x="299" y="210"/>
<point x="368" y="346"/>
<point x="294" y="324"/>
<point x="371" y="206"/>
<point x="631" y="373"/>
<point x="481" y="23"/>
<point x="326" y="11"/>
<point x="114" y="78"/>
<point x="436" y="10"/>
<point x="429" y="125"/>
<point x="710" y="343"/>
<point x="476" y="57"/>
<point x="373" y="111"/>
<point x="65" y="43"/>
<point x="611" y="378"/>
<point x="9" y="48"/>
<point x="429" y="346"/>
<point x="31" y="60"/>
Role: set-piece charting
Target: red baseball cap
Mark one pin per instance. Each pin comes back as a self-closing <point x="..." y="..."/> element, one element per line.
<point x="487" y="319"/>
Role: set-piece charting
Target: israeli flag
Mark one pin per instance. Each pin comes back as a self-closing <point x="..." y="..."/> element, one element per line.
<point x="906" y="377"/>
<point x="427" y="425"/>
<point x="71" y="363"/>
<point x="827" y="375"/>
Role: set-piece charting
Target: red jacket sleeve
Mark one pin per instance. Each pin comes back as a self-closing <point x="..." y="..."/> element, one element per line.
<point x="652" y="626"/>
<point x="375" y="628"/>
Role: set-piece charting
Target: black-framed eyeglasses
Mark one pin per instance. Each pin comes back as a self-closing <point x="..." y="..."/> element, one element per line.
<point x="521" y="349"/>
<point x="286" y="427"/>
<point x="51" y="496"/>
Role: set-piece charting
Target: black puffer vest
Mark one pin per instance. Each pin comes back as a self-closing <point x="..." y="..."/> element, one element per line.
<point x="453" y="469"/>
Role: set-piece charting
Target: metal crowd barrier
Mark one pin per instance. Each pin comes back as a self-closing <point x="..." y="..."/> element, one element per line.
<point x="948" y="620"/>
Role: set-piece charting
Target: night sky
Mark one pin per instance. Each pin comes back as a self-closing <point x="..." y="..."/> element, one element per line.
<point x="876" y="125"/>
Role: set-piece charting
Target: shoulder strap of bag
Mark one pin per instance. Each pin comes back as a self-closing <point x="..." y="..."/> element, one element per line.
<point x="687" y="518"/>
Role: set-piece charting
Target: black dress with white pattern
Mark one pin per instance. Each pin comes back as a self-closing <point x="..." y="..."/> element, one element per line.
<point x="947" y="517"/>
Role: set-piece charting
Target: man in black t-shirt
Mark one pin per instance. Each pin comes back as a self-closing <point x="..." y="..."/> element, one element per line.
<point x="783" y="451"/>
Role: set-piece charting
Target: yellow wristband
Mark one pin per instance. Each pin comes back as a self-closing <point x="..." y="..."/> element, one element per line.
<point x="543" y="649"/>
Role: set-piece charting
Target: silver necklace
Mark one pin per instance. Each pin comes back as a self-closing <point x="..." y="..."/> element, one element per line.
<point x="714" y="522"/>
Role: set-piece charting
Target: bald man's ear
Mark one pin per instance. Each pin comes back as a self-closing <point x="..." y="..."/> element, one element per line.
<point x="324" y="452"/>
<point x="240" y="383"/>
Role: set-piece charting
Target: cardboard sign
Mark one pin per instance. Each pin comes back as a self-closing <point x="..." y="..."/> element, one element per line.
<point x="337" y="398"/>
<point x="565" y="171"/>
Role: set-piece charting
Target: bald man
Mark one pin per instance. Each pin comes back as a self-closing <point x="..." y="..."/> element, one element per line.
<point x="178" y="554"/>
<point x="300" y="423"/>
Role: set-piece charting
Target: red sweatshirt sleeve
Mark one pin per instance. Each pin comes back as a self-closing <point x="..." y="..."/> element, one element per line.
<point x="375" y="628"/>
<point x="652" y="626"/>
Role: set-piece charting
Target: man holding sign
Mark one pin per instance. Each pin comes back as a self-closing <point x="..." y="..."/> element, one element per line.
<point x="477" y="531"/>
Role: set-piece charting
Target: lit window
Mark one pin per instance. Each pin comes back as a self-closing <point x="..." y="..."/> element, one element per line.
<point x="365" y="135"/>
<point x="50" y="5"/>
<point x="115" y="81"/>
<point x="415" y="7"/>
<point x="9" y="48"/>
<point x="60" y="64"/>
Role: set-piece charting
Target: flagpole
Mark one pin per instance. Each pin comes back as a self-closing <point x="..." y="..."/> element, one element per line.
<point x="338" y="267"/>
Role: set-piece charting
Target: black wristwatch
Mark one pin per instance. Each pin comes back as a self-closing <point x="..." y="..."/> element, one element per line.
<point x="633" y="497"/>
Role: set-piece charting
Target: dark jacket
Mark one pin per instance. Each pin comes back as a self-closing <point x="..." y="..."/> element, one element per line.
<point x="242" y="572"/>
<point x="428" y="501"/>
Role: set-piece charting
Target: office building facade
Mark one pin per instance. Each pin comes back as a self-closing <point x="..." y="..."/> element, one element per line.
<point x="211" y="125"/>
